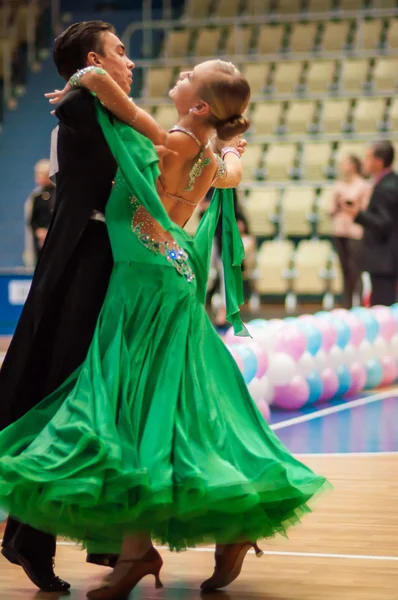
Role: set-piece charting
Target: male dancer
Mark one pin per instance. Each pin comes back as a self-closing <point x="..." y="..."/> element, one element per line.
<point x="71" y="279"/>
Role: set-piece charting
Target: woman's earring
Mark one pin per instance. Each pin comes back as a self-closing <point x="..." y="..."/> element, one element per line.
<point x="191" y="111"/>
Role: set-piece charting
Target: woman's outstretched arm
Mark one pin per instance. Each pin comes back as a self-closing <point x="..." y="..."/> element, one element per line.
<point x="98" y="81"/>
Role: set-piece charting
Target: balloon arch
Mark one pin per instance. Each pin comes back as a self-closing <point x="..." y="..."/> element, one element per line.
<point x="310" y="359"/>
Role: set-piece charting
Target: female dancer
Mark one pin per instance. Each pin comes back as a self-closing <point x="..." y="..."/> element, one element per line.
<point x="155" y="435"/>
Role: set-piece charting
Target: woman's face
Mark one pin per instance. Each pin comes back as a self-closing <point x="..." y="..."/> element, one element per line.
<point x="185" y="94"/>
<point x="347" y="167"/>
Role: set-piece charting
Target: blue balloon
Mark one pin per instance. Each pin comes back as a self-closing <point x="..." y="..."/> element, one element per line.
<point x="345" y="380"/>
<point x="374" y="374"/>
<point x="394" y="311"/>
<point x="250" y="364"/>
<point x="323" y="313"/>
<point x="313" y="335"/>
<point x="371" y="325"/>
<point x="290" y="320"/>
<point x="343" y="332"/>
<point x="316" y="387"/>
<point x="259" y="323"/>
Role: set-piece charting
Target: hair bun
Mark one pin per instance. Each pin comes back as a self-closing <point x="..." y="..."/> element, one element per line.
<point x="231" y="127"/>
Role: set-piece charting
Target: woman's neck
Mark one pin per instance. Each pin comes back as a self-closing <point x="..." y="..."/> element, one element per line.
<point x="203" y="132"/>
<point x="352" y="178"/>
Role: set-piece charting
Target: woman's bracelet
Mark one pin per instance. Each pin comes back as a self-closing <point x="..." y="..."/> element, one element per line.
<point x="228" y="149"/>
<point x="75" y="80"/>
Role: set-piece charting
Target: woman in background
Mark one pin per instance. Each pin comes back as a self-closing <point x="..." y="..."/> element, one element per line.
<point x="352" y="190"/>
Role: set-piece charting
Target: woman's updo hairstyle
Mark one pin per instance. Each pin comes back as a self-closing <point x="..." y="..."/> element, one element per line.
<point x="227" y="92"/>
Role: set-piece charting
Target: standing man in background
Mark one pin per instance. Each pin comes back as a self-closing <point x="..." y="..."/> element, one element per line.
<point x="40" y="206"/>
<point x="379" y="254"/>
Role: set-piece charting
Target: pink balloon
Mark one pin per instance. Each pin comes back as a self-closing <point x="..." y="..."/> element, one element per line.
<point x="290" y="340"/>
<point x="262" y="359"/>
<point x="329" y="333"/>
<point x="390" y="370"/>
<point x="386" y="322"/>
<point x="232" y="339"/>
<point x="310" y="319"/>
<point x="330" y="385"/>
<point x="264" y="409"/>
<point x="237" y="358"/>
<point x="357" y="328"/>
<point x="292" y="396"/>
<point x="358" y="378"/>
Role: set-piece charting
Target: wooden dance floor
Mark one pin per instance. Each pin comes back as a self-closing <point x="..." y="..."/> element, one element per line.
<point x="346" y="550"/>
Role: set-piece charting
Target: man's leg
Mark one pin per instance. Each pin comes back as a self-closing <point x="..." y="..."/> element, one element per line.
<point x="384" y="290"/>
<point x="34" y="551"/>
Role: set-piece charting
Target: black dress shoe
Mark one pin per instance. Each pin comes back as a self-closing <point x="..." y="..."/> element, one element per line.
<point x="43" y="577"/>
<point x="104" y="560"/>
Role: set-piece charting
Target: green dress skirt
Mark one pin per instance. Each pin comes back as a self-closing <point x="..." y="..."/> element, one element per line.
<point x="156" y="430"/>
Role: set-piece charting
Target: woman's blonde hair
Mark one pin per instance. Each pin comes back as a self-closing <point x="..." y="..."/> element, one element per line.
<point x="227" y="92"/>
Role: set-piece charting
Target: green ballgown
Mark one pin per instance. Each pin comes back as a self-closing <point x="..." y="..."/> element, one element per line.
<point x="156" y="430"/>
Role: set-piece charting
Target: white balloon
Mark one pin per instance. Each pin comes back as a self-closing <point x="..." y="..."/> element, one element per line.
<point x="306" y="364"/>
<point x="281" y="369"/>
<point x="380" y="347"/>
<point x="336" y="357"/>
<point x="351" y="355"/>
<point x="263" y="337"/>
<point x="365" y="352"/>
<point x="321" y="360"/>
<point x="393" y="346"/>
<point x="268" y="389"/>
<point x="255" y="388"/>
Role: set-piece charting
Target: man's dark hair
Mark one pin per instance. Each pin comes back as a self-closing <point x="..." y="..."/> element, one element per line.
<point x="385" y="151"/>
<point x="72" y="46"/>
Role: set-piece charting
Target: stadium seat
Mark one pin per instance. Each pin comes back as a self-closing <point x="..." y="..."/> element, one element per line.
<point x="392" y="34"/>
<point x="320" y="76"/>
<point x="273" y="262"/>
<point x="289" y="6"/>
<point x="393" y="115"/>
<point x="353" y="75"/>
<point x="303" y="37"/>
<point x="256" y="75"/>
<point x="266" y="117"/>
<point x="166" y="116"/>
<point x="287" y="77"/>
<point x="297" y="207"/>
<point x="300" y="116"/>
<point x="319" y="6"/>
<point x="238" y="41"/>
<point x="157" y="82"/>
<point x="177" y="44"/>
<point x="251" y="161"/>
<point x="368" y="35"/>
<point x="197" y="9"/>
<point x="261" y="206"/>
<point x="256" y="7"/>
<point x="324" y="206"/>
<point x="310" y="262"/>
<point x="335" y="36"/>
<point x="335" y="115"/>
<point x="385" y="75"/>
<point x="352" y="4"/>
<point x="315" y="161"/>
<point x="270" y="39"/>
<point x="227" y="8"/>
<point x="208" y="42"/>
<point x="279" y="161"/>
<point x="369" y="115"/>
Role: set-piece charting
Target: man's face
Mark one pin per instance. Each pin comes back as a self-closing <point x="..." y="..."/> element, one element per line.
<point x="372" y="165"/>
<point x="114" y="60"/>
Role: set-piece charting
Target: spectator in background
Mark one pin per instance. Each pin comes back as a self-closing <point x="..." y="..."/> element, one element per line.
<point x="40" y="205"/>
<point x="379" y="252"/>
<point x="351" y="189"/>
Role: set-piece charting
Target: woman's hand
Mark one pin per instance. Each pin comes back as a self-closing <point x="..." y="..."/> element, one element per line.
<point x="58" y="95"/>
